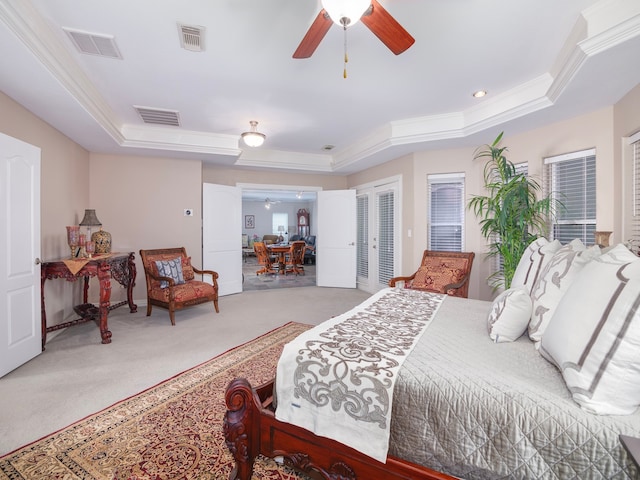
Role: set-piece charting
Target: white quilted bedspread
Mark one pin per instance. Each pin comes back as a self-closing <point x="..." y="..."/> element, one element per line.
<point x="476" y="409"/>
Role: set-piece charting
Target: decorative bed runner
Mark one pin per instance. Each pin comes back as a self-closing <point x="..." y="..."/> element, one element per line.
<point x="337" y="379"/>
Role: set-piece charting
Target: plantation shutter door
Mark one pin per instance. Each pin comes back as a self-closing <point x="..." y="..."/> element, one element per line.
<point x="386" y="221"/>
<point x="446" y="212"/>
<point x="635" y="221"/>
<point x="362" y="208"/>
<point x="572" y="184"/>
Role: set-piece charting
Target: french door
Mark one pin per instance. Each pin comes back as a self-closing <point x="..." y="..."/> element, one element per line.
<point x="378" y="229"/>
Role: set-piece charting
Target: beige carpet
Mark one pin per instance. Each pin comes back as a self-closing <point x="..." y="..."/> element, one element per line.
<point x="77" y="376"/>
<point x="170" y="431"/>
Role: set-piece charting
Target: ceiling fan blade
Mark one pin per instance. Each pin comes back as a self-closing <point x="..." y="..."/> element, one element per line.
<point x="387" y="29"/>
<point x="314" y="35"/>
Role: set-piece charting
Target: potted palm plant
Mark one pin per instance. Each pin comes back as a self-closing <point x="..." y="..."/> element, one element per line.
<point x="512" y="214"/>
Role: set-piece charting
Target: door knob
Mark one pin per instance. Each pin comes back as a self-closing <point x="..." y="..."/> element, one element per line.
<point x="38" y="261"/>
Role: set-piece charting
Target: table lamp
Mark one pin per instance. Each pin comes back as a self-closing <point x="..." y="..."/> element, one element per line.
<point x="101" y="239"/>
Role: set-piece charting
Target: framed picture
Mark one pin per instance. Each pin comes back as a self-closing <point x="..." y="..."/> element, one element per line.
<point x="249" y="221"/>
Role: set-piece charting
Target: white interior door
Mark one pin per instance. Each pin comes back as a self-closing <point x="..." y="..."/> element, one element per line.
<point x="222" y="235"/>
<point x="20" y="313"/>
<point x="336" y="242"/>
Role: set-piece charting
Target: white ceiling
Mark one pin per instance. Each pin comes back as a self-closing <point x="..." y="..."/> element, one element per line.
<point x="540" y="61"/>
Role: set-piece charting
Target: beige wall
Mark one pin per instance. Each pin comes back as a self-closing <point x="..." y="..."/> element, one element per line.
<point x="450" y="161"/>
<point x="64" y="194"/>
<point x="232" y="177"/>
<point x="593" y="130"/>
<point x="135" y="197"/>
<point x="402" y="167"/>
<point x="141" y="202"/>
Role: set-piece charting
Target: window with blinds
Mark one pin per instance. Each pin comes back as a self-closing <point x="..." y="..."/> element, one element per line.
<point x="446" y="211"/>
<point x="571" y="181"/>
<point x="362" y="246"/>
<point x="386" y="221"/>
<point x="279" y="223"/>
<point x="635" y="212"/>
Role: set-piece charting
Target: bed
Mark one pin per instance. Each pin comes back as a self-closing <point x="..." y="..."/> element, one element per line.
<point x="463" y="407"/>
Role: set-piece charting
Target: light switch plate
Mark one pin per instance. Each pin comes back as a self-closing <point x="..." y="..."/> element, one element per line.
<point x="188" y="212"/>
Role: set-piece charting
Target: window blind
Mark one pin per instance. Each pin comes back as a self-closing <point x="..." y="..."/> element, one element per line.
<point x="385" y="244"/>
<point x="279" y="220"/>
<point x="635" y="220"/>
<point x="446" y="211"/>
<point x="571" y="181"/>
<point x="362" y="247"/>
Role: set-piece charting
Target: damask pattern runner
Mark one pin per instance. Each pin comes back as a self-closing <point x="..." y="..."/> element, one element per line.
<point x="337" y="379"/>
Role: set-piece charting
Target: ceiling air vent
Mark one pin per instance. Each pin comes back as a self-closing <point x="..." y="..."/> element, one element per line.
<point x="191" y="37"/>
<point x="157" y="116"/>
<point x="94" y="43"/>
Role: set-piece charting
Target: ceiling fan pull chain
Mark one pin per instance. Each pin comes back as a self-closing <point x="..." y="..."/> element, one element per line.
<point x="346" y="58"/>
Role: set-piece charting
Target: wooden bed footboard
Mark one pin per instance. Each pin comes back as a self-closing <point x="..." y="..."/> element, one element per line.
<point x="251" y="429"/>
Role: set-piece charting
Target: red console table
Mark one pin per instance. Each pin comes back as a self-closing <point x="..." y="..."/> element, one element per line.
<point x="119" y="266"/>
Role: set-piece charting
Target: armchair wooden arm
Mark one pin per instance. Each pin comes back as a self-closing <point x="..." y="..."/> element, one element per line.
<point x="214" y="275"/>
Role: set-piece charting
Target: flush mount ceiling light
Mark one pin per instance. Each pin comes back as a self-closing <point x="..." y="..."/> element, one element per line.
<point x="346" y="12"/>
<point x="253" y="138"/>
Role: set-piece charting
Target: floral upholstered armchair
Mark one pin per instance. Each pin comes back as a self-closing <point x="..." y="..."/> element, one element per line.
<point x="440" y="272"/>
<point x="171" y="281"/>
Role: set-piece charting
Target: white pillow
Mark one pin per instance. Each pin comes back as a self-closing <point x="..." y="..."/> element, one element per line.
<point x="509" y="315"/>
<point x="533" y="260"/>
<point x="553" y="282"/>
<point x="594" y="335"/>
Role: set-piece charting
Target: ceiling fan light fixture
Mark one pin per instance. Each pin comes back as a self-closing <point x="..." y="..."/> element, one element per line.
<point x="346" y="12"/>
<point x="253" y="138"/>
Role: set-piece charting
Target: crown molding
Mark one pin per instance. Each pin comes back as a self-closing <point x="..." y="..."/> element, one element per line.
<point x="603" y="26"/>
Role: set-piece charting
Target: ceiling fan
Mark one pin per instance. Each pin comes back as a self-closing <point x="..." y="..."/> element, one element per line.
<point x="268" y="202"/>
<point x="347" y="13"/>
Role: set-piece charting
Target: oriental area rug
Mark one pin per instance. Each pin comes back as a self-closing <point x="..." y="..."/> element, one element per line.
<point x="170" y="431"/>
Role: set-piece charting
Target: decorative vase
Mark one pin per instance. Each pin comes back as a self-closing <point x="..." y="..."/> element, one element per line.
<point x="602" y="238"/>
<point x="102" y="241"/>
<point x="73" y="239"/>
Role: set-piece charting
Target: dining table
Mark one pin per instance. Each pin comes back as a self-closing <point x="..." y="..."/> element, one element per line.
<point x="280" y="251"/>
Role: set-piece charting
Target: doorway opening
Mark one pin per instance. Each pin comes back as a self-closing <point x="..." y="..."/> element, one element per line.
<point x="271" y="214"/>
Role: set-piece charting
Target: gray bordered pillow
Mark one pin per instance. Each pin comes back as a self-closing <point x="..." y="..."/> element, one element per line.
<point x="594" y="334"/>
<point x="533" y="260"/>
<point x="509" y="315"/>
<point x="554" y="280"/>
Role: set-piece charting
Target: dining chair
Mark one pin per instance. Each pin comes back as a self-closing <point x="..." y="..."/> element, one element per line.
<point x="264" y="258"/>
<point x="295" y="258"/>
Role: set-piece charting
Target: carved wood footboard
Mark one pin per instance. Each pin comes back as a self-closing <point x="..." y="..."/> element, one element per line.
<point x="251" y="429"/>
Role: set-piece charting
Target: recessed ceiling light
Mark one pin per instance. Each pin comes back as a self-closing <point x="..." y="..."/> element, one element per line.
<point x="479" y="93"/>
<point x="328" y="147"/>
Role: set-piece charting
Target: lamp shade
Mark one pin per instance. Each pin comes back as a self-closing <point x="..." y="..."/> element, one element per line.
<point x="90" y="219"/>
<point x="345" y="12"/>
